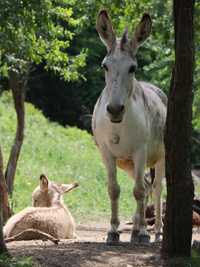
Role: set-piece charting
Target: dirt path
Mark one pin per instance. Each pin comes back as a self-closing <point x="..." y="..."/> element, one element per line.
<point x="89" y="251"/>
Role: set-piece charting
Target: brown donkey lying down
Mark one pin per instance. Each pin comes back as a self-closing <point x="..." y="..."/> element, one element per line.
<point x="49" y="218"/>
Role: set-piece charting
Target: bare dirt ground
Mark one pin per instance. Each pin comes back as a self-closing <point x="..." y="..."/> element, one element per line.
<point x="89" y="251"/>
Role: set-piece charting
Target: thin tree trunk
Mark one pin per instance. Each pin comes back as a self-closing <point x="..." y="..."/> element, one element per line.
<point x="6" y="211"/>
<point x="180" y="189"/>
<point x="18" y="91"/>
<point x="3" y="248"/>
<point x="3" y="205"/>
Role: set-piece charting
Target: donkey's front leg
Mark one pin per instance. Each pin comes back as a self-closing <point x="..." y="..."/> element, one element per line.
<point x="139" y="232"/>
<point x="114" y="192"/>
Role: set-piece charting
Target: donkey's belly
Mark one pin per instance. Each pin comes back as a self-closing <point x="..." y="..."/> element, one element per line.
<point x="127" y="162"/>
<point x="127" y="165"/>
<point x="125" y="151"/>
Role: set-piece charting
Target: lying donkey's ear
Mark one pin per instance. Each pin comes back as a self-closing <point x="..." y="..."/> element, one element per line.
<point x="68" y="187"/>
<point x="44" y="182"/>
<point x="105" y="29"/>
<point x="142" y="32"/>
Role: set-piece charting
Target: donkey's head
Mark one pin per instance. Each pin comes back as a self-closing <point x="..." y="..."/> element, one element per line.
<point x="49" y="193"/>
<point x="120" y="62"/>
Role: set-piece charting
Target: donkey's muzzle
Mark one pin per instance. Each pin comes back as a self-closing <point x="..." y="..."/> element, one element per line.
<point x="115" y="112"/>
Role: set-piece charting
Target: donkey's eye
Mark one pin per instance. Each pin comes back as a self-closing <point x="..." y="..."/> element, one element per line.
<point x="132" y="69"/>
<point x="105" y="67"/>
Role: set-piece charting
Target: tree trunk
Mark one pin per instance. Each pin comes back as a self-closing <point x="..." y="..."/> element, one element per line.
<point x="6" y="211"/>
<point x="3" y="205"/>
<point x="180" y="189"/>
<point x="3" y="248"/>
<point x="18" y="91"/>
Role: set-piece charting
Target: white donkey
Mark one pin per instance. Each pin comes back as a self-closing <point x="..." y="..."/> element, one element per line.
<point x="128" y="125"/>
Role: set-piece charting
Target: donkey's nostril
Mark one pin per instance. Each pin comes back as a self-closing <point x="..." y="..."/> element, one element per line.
<point x="122" y="108"/>
<point x="115" y="110"/>
<point x="109" y="109"/>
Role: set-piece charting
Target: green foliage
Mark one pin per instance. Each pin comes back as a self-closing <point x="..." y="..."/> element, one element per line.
<point x="64" y="155"/>
<point x="195" y="259"/>
<point x="196" y="106"/>
<point x="39" y="31"/>
<point x="14" y="262"/>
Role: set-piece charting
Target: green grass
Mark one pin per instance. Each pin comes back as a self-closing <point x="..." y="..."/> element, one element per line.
<point x="64" y="155"/>
<point x="195" y="259"/>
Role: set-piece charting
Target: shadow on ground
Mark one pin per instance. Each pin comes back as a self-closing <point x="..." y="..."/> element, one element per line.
<point x="90" y="251"/>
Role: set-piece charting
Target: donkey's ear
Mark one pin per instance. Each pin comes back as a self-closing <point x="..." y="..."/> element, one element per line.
<point x="142" y="31"/>
<point x="44" y="182"/>
<point x="105" y="29"/>
<point x="68" y="187"/>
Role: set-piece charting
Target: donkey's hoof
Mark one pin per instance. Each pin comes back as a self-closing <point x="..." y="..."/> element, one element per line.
<point x="158" y="237"/>
<point x="135" y="237"/>
<point x="112" y="238"/>
<point x="144" y="239"/>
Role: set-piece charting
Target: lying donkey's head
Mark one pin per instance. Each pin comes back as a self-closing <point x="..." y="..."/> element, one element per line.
<point x="120" y="62"/>
<point x="49" y="193"/>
